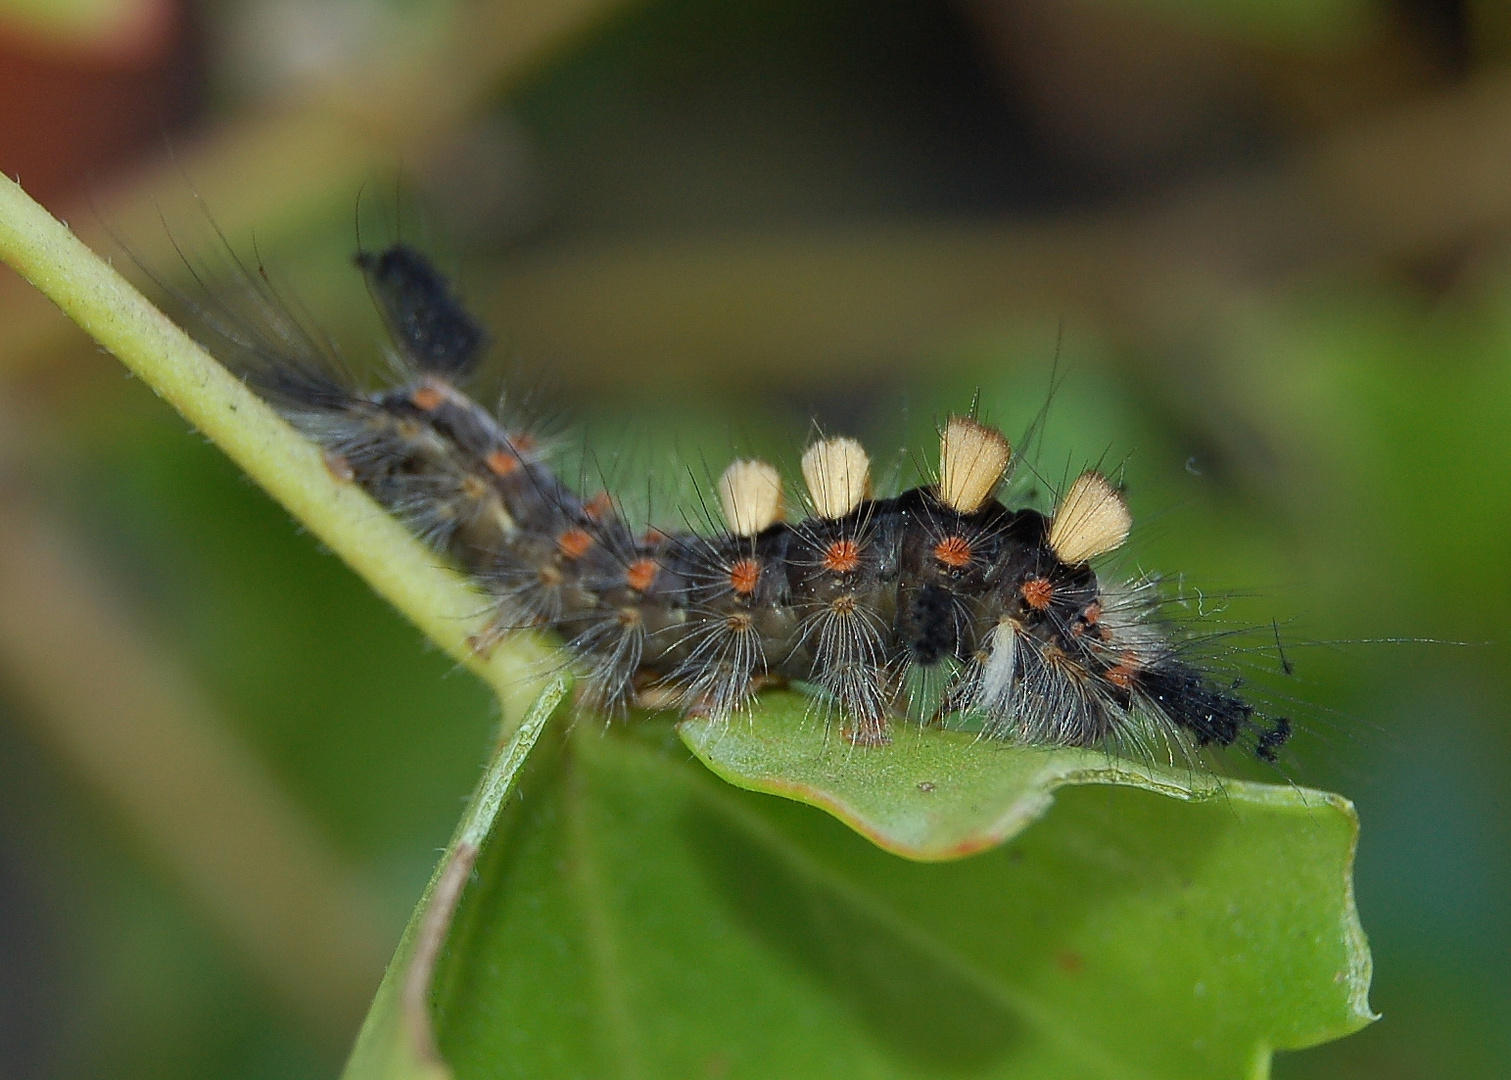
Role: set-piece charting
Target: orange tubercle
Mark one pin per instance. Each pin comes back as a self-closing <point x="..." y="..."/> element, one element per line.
<point x="1038" y="592"/>
<point x="954" y="551"/>
<point x="574" y="542"/>
<point x="427" y="398"/>
<point x="842" y="556"/>
<point x="641" y="574"/>
<point x="744" y="576"/>
<point x="502" y="462"/>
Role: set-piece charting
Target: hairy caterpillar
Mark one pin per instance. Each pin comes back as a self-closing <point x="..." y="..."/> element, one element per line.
<point x="853" y="598"/>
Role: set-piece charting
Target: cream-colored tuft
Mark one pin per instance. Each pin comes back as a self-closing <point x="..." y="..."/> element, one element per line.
<point x="750" y="494"/>
<point x="996" y="692"/>
<point x="1092" y="520"/>
<point x="972" y="459"/>
<point x="838" y="474"/>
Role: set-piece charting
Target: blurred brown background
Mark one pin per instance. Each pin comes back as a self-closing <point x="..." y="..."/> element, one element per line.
<point x="1267" y="241"/>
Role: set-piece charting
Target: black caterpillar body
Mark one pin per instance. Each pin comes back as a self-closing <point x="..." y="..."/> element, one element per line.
<point x="1004" y="602"/>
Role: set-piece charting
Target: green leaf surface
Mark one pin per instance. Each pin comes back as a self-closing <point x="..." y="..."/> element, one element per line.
<point x="397" y="1040"/>
<point x="932" y="795"/>
<point x="634" y="916"/>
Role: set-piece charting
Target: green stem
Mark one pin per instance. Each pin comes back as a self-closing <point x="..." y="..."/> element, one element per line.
<point x="291" y="469"/>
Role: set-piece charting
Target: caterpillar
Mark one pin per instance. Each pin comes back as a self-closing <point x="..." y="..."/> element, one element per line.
<point x="852" y="598"/>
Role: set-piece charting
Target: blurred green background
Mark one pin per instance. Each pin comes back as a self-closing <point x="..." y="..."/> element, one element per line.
<point x="1267" y="243"/>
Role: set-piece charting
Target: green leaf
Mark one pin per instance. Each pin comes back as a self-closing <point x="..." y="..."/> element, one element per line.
<point x="396" y="1040"/>
<point x="932" y="795"/>
<point x="634" y="916"/>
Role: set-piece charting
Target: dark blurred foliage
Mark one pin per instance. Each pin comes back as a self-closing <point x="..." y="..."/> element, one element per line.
<point x="1264" y="244"/>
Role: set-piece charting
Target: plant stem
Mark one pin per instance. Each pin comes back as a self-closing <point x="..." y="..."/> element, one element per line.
<point x="291" y="469"/>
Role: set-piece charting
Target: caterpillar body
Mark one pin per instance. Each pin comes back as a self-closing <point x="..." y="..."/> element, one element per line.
<point x="852" y="598"/>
